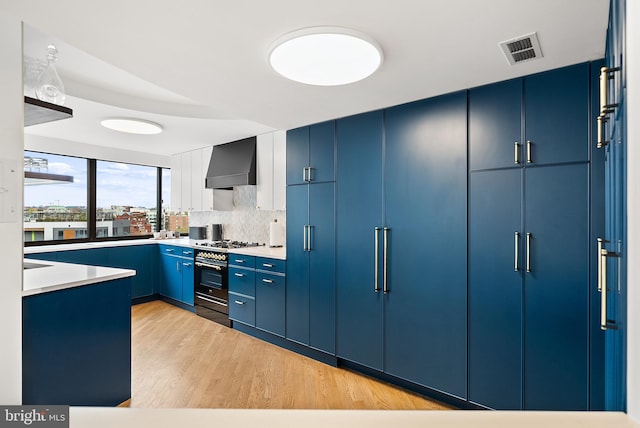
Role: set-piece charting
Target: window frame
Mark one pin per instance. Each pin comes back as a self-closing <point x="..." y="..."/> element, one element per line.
<point x="92" y="229"/>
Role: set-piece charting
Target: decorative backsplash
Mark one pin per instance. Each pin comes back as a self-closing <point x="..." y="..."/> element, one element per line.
<point x="244" y="222"/>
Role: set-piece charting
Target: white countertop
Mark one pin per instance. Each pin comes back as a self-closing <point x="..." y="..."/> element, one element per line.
<point x="59" y="276"/>
<point x="264" y="251"/>
<point x="92" y="417"/>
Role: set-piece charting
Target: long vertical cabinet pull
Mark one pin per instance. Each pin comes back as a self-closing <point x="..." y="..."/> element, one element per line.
<point x="309" y="243"/>
<point x="304" y="238"/>
<point x="603" y="253"/>
<point x="516" y="155"/>
<point x="516" y="265"/>
<point x="529" y="159"/>
<point x="376" y="283"/>
<point x="606" y="74"/>
<point x="528" y="252"/>
<point x="385" y="270"/>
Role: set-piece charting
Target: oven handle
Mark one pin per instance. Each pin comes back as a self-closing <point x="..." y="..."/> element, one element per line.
<point x="200" y="296"/>
<point x="208" y="266"/>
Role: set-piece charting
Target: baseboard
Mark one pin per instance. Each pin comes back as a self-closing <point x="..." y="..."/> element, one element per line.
<point x="282" y="342"/>
<point x="144" y="299"/>
<point x="178" y="304"/>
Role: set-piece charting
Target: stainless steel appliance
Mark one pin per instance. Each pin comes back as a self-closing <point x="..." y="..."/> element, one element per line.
<point x="212" y="279"/>
<point x="215" y="233"/>
<point x="197" y="232"/>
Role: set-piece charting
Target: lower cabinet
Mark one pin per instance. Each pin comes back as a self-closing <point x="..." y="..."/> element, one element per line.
<point x="142" y="258"/>
<point x="257" y="293"/>
<point x="177" y="273"/>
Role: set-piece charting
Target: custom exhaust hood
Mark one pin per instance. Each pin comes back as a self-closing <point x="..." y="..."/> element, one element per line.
<point x="232" y="164"/>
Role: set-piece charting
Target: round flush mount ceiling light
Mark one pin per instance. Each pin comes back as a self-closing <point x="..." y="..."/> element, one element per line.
<point x="325" y="56"/>
<point x="132" y="126"/>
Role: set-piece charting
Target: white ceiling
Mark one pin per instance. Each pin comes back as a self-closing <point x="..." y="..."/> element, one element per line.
<point x="199" y="67"/>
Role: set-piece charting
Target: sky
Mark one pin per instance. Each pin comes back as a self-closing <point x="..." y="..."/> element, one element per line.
<point x="117" y="184"/>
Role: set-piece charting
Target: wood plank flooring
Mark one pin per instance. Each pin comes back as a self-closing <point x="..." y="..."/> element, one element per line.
<point x="180" y="360"/>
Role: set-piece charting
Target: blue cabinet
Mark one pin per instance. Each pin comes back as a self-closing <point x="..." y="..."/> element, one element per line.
<point x="310" y="296"/>
<point x="530" y="332"/>
<point x="310" y="304"/>
<point x="426" y="216"/>
<point x="495" y="289"/>
<point x="556" y="288"/>
<point x="177" y="272"/>
<point x="142" y="258"/>
<point x="311" y="153"/>
<point x="359" y="213"/>
<point x="94" y="256"/>
<point x="541" y="120"/>
<point x="418" y="206"/>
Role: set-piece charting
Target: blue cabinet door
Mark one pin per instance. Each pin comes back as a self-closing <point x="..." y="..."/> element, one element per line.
<point x="359" y="212"/>
<point x="556" y="294"/>
<point x="270" y="303"/>
<point x="495" y="126"/>
<point x="322" y="151"/>
<point x="297" y="328"/>
<point x="171" y="268"/>
<point x="297" y="154"/>
<point x="495" y="289"/>
<point x="188" y="292"/>
<point x="426" y="212"/>
<point x="556" y="115"/>
<point x="52" y="257"/>
<point x="142" y="258"/>
<point x="322" y="256"/>
<point x="94" y="257"/>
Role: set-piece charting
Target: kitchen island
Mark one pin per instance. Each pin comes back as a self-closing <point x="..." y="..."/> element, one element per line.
<point x="76" y="346"/>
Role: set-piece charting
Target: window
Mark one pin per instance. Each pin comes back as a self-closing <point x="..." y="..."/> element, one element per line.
<point x="55" y="197"/>
<point x="126" y="198"/>
<point x="70" y="198"/>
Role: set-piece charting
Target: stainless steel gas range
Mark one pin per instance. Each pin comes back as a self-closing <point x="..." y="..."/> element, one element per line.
<point x="212" y="279"/>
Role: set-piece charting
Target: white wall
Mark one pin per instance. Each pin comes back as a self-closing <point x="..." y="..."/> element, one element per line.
<point x="63" y="147"/>
<point x="633" y="208"/>
<point x="11" y="134"/>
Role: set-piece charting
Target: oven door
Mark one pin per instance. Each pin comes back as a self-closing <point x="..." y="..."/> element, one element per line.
<point x="211" y="289"/>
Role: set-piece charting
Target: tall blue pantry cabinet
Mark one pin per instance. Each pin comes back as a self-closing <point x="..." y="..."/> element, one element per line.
<point x="310" y="291"/>
<point x="401" y="249"/>
<point x="529" y="241"/>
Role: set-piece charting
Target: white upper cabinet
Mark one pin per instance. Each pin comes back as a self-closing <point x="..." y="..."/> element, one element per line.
<point x="207" y="194"/>
<point x="176" y="183"/>
<point x="270" y="171"/>
<point x="188" y="173"/>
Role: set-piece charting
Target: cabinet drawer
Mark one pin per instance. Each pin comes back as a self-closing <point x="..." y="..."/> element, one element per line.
<point x="242" y="309"/>
<point x="172" y="250"/>
<point x="266" y="279"/>
<point x="186" y="252"/>
<point x="270" y="265"/>
<point x="242" y="281"/>
<point x="242" y="260"/>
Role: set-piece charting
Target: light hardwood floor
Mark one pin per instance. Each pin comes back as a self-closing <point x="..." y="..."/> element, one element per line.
<point x="180" y="360"/>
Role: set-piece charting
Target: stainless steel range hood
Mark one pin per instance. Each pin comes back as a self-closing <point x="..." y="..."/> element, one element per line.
<point x="232" y="164"/>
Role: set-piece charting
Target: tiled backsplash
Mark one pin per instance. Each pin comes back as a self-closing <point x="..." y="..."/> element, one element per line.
<point x="244" y="222"/>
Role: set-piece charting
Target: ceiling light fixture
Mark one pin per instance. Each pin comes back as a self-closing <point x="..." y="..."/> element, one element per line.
<point x="132" y="126"/>
<point x="325" y="56"/>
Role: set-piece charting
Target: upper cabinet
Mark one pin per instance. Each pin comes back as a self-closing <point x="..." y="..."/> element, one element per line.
<point x="536" y="120"/>
<point x="311" y="153"/>
<point x="188" y="171"/>
<point x="271" y="171"/>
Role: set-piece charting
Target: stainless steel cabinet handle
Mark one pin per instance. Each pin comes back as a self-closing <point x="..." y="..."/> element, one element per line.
<point x="267" y="265"/>
<point x="240" y="275"/>
<point x="604" y="90"/>
<point x="268" y="281"/>
<point x="516" y="152"/>
<point x="309" y="235"/>
<point x="238" y="302"/>
<point x="602" y="284"/>
<point x="186" y="253"/>
<point x="304" y="174"/>
<point x="516" y="266"/>
<point x="239" y="261"/>
<point x="529" y="152"/>
<point x="376" y="258"/>
<point x="385" y="278"/>
<point x="304" y="238"/>
<point x="528" y="252"/>
<point x="169" y="250"/>
<point x="186" y="264"/>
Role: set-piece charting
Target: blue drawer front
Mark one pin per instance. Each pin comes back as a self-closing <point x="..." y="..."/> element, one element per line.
<point x="248" y="262"/>
<point x="270" y="265"/>
<point x="242" y="309"/>
<point x="242" y="281"/>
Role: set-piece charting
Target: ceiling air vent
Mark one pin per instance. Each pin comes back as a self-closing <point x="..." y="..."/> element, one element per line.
<point x="521" y="49"/>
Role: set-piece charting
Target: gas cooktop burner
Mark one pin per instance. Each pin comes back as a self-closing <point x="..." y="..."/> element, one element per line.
<point x="227" y="244"/>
